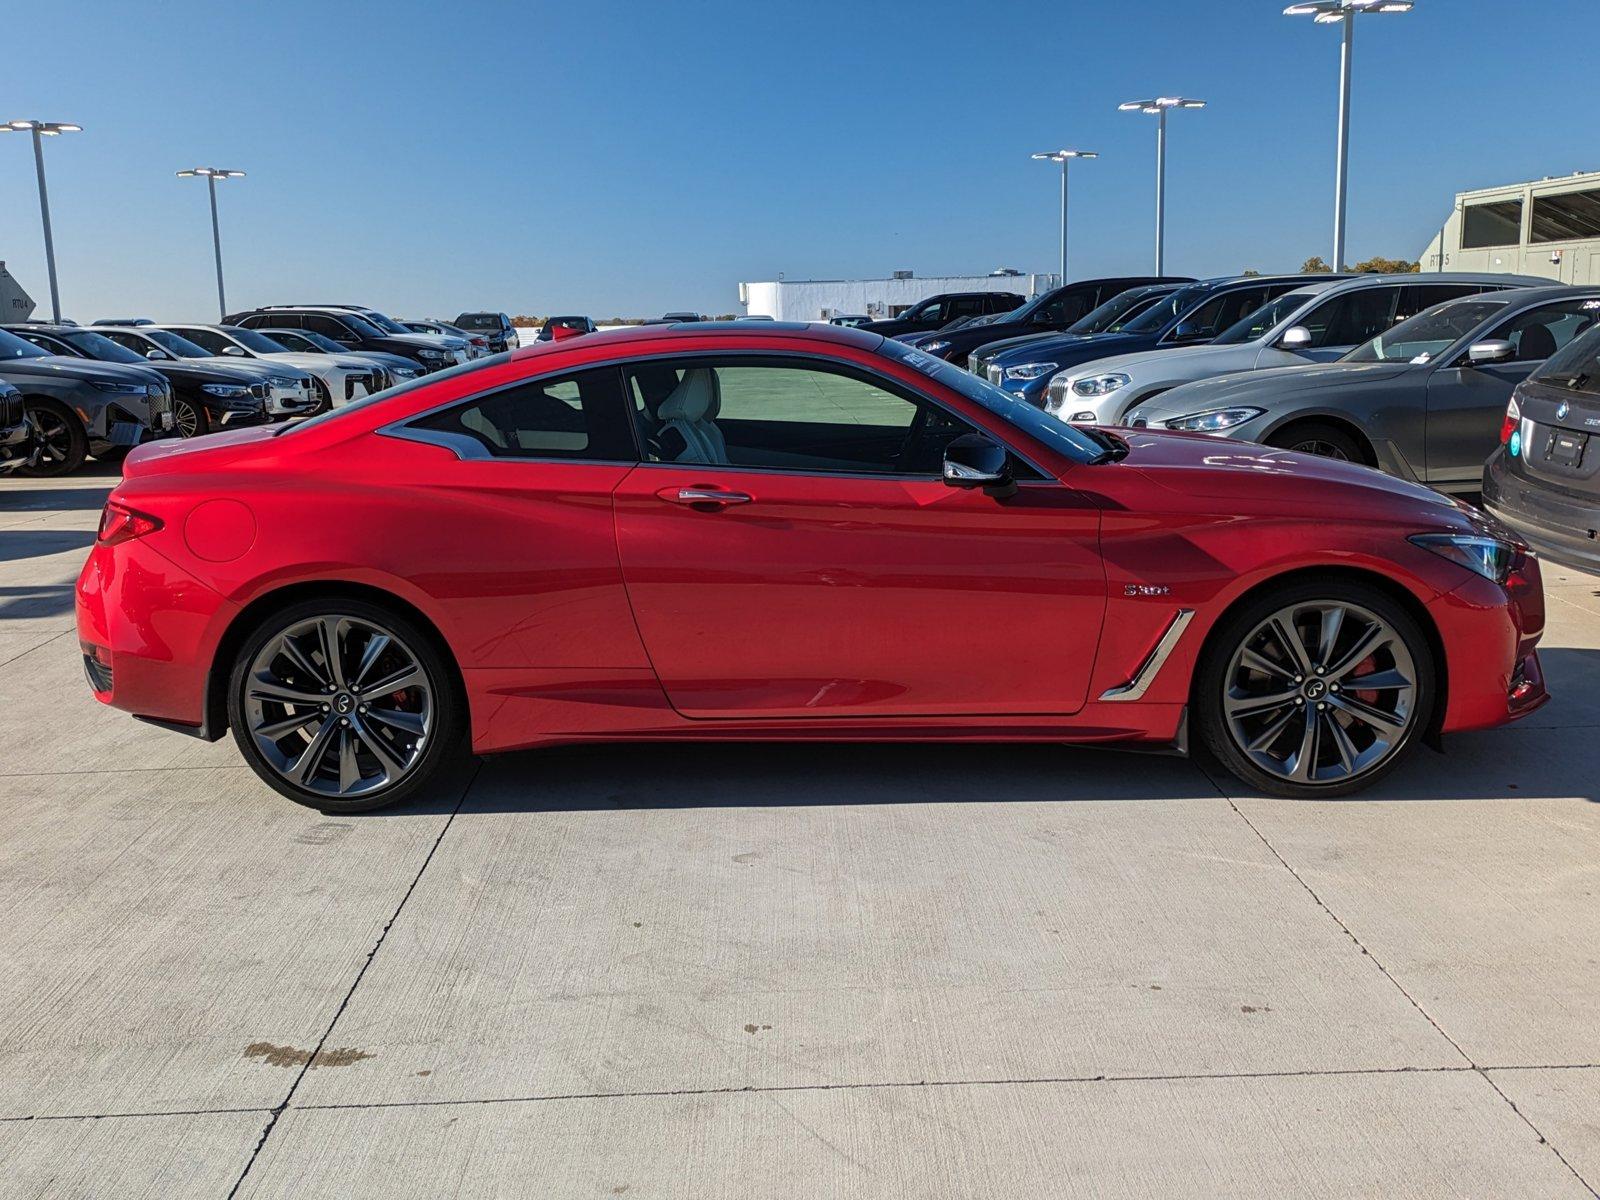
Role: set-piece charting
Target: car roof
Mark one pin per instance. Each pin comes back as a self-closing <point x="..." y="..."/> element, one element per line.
<point x="1540" y="294"/>
<point x="693" y="331"/>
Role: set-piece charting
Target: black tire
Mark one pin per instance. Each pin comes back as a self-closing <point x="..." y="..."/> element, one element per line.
<point x="1321" y="439"/>
<point x="444" y="746"/>
<point x="66" y="442"/>
<point x="189" y="419"/>
<point x="1215" y="684"/>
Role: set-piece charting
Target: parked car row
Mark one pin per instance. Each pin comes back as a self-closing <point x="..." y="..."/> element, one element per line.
<point x="69" y="392"/>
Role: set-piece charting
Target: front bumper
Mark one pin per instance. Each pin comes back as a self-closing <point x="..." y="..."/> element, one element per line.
<point x="19" y="446"/>
<point x="1491" y="635"/>
<point x="290" y="401"/>
<point x="1562" y="528"/>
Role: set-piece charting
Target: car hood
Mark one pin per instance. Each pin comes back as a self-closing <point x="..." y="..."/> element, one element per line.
<point x="253" y="370"/>
<point x="425" y="341"/>
<point x="1078" y="347"/>
<point x="1196" y="464"/>
<point x="1190" y="361"/>
<point x="1265" y="387"/>
<point x="64" y="368"/>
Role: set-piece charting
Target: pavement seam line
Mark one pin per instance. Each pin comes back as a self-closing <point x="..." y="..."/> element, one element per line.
<point x="279" y="1109"/>
<point x="1427" y="1016"/>
<point x="55" y="637"/>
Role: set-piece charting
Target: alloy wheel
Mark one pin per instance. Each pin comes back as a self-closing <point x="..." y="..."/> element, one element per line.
<point x="1321" y="449"/>
<point x="55" y="437"/>
<point x="186" y="418"/>
<point x="339" y="706"/>
<point x="1320" y="692"/>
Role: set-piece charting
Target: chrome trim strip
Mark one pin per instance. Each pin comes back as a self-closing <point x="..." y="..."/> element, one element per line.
<point x="1151" y="667"/>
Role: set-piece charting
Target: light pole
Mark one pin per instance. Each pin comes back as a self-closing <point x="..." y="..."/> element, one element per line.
<point x="40" y="131"/>
<point x="1330" y="12"/>
<point x="1064" y="157"/>
<point x="211" y="175"/>
<point x="1158" y="109"/>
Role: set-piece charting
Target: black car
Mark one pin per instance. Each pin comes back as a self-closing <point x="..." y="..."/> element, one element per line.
<point x="1047" y="312"/>
<point x="938" y="311"/>
<point x="1544" y="480"/>
<point x="351" y="330"/>
<point x="203" y="396"/>
<point x="1193" y="314"/>
<point x="18" y="444"/>
<point x="495" y="326"/>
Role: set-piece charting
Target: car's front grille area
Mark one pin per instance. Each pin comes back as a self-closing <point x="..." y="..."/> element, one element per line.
<point x="99" y="673"/>
<point x="260" y="390"/>
<point x="11" y="411"/>
<point x="160" y="404"/>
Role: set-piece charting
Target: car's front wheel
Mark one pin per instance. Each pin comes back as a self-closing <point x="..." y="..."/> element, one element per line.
<point x="189" y="419"/>
<point x="63" y="441"/>
<point x="343" y="705"/>
<point x="1315" y="689"/>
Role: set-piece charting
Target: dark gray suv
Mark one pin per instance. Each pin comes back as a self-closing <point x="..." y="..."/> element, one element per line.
<point x="1544" y="479"/>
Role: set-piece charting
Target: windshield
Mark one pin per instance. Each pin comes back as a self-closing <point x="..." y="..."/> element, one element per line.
<point x="99" y="346"/>
<point x="387" y="324"/>
<point x="251" y="340"/>
<point x="174" y="344"/>
<point x="1264" y="318"/>
<point x="479" y="321"/>
<point x="304" y="339"/>
<point x="1576" y="366"/>
<point x="1155" y="318"/>
<point x="11" y="346"/>
<point x="1116" y="312"/>
<point x="1034" y="422"/>
<point x="1426" y="334"/>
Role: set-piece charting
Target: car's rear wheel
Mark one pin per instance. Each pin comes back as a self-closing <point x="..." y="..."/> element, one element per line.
<point x="343" y="705"/>
<point x="189" y="419"/>
<point x="1315" y="689"/>
<point x="1321" y="439"/>
<point x="63" y="441"/>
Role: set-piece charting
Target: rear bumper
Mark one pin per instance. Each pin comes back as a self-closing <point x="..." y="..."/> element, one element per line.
<point x="148" y="632"/>
<point x="1561" y="528"/>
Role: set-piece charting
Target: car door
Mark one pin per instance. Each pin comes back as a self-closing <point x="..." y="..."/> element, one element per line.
<point x="1467" y="401"/>
<point x="791" y="551"/>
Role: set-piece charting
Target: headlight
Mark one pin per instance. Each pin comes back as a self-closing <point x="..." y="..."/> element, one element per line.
<point x="1213" y="419"/>
<point x="228" y="391"/>
<point x="430" y="354"/>
<point x="934" y="347"/>
<point x="1099" y="385"/>
<point x="120" y="389"/>
<point x="403" y="372"/>
<point x="1030" y="370"/>
<point x="1482" y="555"/>
<point x="284" y="381"/>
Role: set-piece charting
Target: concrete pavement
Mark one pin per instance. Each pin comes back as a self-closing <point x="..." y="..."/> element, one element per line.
<point x="758" y="972"/>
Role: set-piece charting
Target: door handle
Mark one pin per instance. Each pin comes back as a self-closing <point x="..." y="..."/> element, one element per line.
<point x="704" y="495"/>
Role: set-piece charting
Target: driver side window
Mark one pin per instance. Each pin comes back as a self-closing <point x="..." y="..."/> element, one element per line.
<point x="785" y="418"/>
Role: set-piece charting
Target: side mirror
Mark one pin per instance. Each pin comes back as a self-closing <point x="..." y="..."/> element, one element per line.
<point x="1492" y="351"/>
<point x="1296" y="337"/>
<point x="156" y="355"/>
<point x="234" y="351"/>
<point x="1187" y="331"/>
<point x="973" y="461"/>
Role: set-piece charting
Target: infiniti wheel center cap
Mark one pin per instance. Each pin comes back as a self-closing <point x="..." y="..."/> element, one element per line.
<point x="344" y="702"/>
<point x="1315" y="689"/>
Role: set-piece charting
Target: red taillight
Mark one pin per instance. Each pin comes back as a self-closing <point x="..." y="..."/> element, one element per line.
<point x="478" y="341"/>
<point x="119" y="523"/>
<point x="1513" y="419"/>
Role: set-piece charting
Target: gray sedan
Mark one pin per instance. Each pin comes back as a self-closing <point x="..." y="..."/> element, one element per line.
<point x="1423" y="401"/>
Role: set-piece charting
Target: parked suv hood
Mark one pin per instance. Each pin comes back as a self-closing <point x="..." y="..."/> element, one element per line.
<point x="1080" y="347"/>
<point x="1263" y="387"/>
<point x="61" y="367"/>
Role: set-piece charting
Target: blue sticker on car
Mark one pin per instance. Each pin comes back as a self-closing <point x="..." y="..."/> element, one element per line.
<point x="1515" y="444"/>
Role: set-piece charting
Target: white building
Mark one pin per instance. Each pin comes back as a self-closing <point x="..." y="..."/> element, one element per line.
<point x="1547" y="227"/>
<point x="820" y="299"/>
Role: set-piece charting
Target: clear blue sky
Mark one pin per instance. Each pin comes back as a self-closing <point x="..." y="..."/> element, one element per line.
<point x="626" y="158"/>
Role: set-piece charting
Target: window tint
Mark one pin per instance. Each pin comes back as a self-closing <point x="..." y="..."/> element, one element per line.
<point x="208" y="339"/>
<point x="1565" y="218"/>
<point x="967" y="306"/>
<point x="130" y="340"/>
<point x="1353" y="318"/>
<point x="1067" y="308"/>
<point x="327" y="326"/>
<point x="785" y="417"/>
<point x="576" y="416"/>
<point x="1540" y="332"/>
<point x="1577" y="365"/>
<point x="1497" y="223"/>
<point x="1416" y="297"/>
<point x="1220" y="312"/>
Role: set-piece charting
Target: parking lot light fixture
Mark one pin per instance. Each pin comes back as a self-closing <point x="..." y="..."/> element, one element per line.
<point x="1343" y="12"/>
<point x="1158" y="108"/>
<point x="1064" y="157"/>
<point x="211" y="175"/>
<point x="40" y="131"/>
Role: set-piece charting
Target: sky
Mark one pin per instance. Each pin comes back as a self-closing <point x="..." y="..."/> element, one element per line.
<point x="624" y="158"/>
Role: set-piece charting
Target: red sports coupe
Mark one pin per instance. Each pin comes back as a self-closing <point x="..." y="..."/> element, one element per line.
<point x="744" y="532"/>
